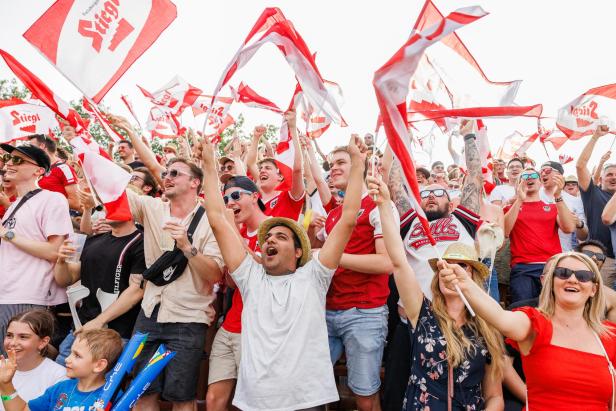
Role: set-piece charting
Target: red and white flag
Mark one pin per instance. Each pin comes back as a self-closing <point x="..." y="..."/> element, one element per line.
<point x="129" y="106"/>
<point x="19" y="119"/>
<point x="94" y="43"/>
<point x="162" y="123"/>
<point x="108" y="180"/>
<point x="102" y="120"/>
<point x="44" y="93"/>
<point x="485" y="153"/>
<point x="565" y="158"/>
<point x="246" y="95"/>
<point x="175" y="96"/>
<point x="285" y="155"/>
<point x="555" y="137"/>
<point x="392" y="82"/>
<point x="448" y="81"/>
<point x="581" y="116"/>
<point x="218" y="111"/>
<point x="520" y="151"/>
<point x="273" y="27"/>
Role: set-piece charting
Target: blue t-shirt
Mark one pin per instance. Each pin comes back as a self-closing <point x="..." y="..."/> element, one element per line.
<point x="64" y="396"/>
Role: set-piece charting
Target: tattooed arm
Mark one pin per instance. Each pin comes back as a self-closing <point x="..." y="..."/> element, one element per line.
<point x="398" y="194"/>
<point x="473" y="184"/>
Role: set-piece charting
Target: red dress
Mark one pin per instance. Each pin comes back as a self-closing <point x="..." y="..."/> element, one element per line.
<point x="559" y="378"/>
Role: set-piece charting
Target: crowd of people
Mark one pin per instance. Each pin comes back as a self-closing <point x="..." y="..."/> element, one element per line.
<point x="505" y="303"/>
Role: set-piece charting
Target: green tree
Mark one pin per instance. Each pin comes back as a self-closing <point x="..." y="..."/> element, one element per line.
<point x="12" y="89"/>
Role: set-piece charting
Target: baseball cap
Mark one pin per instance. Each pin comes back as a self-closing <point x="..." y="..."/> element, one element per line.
<point x="39" y="156"/>
<point x="244" y="183"/>
<point x="555" y="165"/>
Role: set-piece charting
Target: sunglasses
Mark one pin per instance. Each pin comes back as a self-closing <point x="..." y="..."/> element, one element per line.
<point x="15" y="160"/>
<point x="227" y="168"/>
<point x="135" y="178"/>
<point x="582" y="276"/>
<point x="529" y="176"/>
<point x="173" y="174"/>
<point x="235" y="195"/>
<point x="599" y="256"/>
<point x="438" y="192"/>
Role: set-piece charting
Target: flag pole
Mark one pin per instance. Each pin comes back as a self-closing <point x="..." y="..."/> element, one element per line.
<point x="546" y="150"/>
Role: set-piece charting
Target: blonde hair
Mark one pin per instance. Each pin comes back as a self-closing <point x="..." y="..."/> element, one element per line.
<point x="104" y="344"/>
<point x="594" y="309"/>
<point x="458" y="344"/>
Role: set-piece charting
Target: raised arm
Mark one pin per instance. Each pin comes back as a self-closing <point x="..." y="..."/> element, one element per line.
<point x="512" y="214"/>
<point x="584" y="177"/>
<point x="297" y="183"/>
<point x="230" y="245"/>
<point x="609" y="212"/>
<point x="316" y="171"/>
<point x="396" y="187"/>
<point x="408" y="286"/>
<point x="473" y="183"/>
<point x="566" y="219"/>
<point x="333" y="248"/>
<point x="251" y="155"/>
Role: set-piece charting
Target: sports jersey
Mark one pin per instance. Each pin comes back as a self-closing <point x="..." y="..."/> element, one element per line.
<point x="574" y="204"/>
<point x="460" y="226"/>
<point x="283" y="205"/>
<point x="352" y="289"/>
<point x="59" y="176"/>
<point x="534" y="237"/>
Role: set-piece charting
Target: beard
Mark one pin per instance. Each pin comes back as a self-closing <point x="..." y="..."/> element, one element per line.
<point x="436" y="214"/>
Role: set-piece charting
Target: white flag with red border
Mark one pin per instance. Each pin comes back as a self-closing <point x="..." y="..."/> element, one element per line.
<point x="581" y="116"/>
<point x="94" y="111"/>
<point x="175" y="96"/>
<point x="94" y="42"/>
<point x="246" y="95"/>
<point x="19" y="119"/>
<point x="162" y="123"/>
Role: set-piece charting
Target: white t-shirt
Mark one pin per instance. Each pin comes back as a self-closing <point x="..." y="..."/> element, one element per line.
<point x="285" y="351"/>
<point x="567" y="241"/>
<point x="32" y="384"/>
<point x="27" y="279"/>
<point x="502" y="193"/>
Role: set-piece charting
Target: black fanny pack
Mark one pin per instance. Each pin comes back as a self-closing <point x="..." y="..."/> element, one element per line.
<point x="169" y="266"/>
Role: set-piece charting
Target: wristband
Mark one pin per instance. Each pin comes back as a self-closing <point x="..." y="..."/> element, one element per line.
<point x="469" y="136"/>
<point x="8" y="397"/>
<point x="558" y="199"/>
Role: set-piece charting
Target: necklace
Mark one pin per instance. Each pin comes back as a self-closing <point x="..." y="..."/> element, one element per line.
<point x="84" y="402"/>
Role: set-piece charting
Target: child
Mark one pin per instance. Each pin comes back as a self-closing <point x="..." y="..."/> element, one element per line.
<point x="28" y="334"/>
<point x="93" y="354"/>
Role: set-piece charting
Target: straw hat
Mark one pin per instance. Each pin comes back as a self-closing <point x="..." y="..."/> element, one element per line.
<point x="292" y="225"/>
<point x="460" y="252"/>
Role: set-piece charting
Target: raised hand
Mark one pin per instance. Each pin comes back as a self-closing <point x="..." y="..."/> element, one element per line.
<point x="8" y="367"/>
<point x="378" y="190"/>
<point x="289" y="116"/>
<point x="120" y="122"/>
<point x="466" y="127"/>
<point x="521" y="190"/>
<point x="559" y="180"/>
<point x="453" y="275"/>
<point x="601" y="131"/>
<point x="259" y="131"/>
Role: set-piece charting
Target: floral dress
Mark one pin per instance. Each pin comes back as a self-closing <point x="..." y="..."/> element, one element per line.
<point x="427" y="386"/>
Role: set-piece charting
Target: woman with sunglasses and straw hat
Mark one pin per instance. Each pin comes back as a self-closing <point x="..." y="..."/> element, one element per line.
<point x="567" y="349"/>
<point x="456" y="359"/>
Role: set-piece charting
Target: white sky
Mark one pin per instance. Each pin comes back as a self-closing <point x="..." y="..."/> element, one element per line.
<point x="558" y="48"/>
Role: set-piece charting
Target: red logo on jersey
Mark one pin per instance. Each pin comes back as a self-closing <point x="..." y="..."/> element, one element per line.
<point x="443" y="229"/>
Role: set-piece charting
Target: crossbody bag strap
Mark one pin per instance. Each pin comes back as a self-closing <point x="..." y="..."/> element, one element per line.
<point x="23" y="200"/>
<point x="449" y="385"/>
<point x="195" y="222"/>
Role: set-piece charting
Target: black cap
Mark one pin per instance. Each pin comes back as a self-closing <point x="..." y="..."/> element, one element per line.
<point x="39" y="156"/>
<point x="555" y="165"/>
<point x="244" y="183"/>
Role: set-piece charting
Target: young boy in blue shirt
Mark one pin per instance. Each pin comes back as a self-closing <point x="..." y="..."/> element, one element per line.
<point x="93" y="354"/>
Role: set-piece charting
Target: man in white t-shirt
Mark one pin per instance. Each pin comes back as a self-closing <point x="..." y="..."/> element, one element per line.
<point x="30" y="239"/>
<point x="501" y="194"/>
<point x="285" y="363"/>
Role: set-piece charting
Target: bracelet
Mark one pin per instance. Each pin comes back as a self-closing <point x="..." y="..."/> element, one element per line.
<point x="558" y="199"/>
<point x="8" y="397"/>
<point x="311" y="194"/>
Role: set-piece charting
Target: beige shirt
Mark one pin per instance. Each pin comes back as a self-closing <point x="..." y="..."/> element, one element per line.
<point x="187" y="299"/>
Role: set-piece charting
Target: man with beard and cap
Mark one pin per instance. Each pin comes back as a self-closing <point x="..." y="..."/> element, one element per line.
<point x="532" y="226"/>
<point x="32" y="231"/>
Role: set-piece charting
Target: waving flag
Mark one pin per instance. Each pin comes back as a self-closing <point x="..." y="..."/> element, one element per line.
<point x="19" y="119"/>
<point x="273" y="27"/>
<point x="218" y="110"/>
<point x="175" y="96"/>
<point x="94" y="42"/>
<point x="554" y="137"/>
<point x="565" y="158"/>
<point x="581" y="116"/>
<point x="102" y="119"/>
<point x="129" y="106"/>
<point x="245" y="94"/>
<point x="44" y="93"/>
<point x="392" y="83"/>
<point x="108" y="180"/>
<point x="162" y="123"/>
<point x="448" y="81"/>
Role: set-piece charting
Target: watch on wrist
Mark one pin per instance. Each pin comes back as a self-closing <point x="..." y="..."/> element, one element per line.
<point x="558" y="199"/>
<point x="9" y="235"/>
<point x="192" y="253"/>
<point x="579" y="227"/>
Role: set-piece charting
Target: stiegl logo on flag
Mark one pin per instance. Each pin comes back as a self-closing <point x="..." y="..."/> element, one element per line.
<point x="106" y="26"/>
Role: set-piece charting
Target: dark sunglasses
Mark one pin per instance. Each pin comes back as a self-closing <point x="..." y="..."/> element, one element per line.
<point x="173" y="174"/>
<point x="15" y="160"/>
<point x="227" y="168"/>
<point x="599" y="256"/>
<point x="235" y="196"/>
<point x="529" y="176"/>
<point x="438" y="192"/>
<point x="582" y="276"/>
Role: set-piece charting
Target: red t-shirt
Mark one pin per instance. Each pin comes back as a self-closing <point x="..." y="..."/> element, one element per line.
<point x="3" y="210"/>
<point x="534" y="238"/>
<point x="284" y="206"/>
<point x="333" y="203"/>
<point x="563" y="379"/>
<point x="60" y="175"/>
<point x="349" y="288"/>
<point x="233" y="319"/>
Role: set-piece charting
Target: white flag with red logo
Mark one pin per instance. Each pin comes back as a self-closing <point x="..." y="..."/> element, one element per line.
<point x="584" y="114"/>
<point x="94" y="42"/>
<point x="162" y="123"/>
<point x="108" y="180"/>
<point x="246" y="95"/>
<point x="44" y="93"/>
<point x="19" y="119"/>
<point x="565" y="158"/>
<point x="175" y="96"/>
<point x="218" y="111"/>
<point x="448" y="81"/>
<point x="392" y="83"/>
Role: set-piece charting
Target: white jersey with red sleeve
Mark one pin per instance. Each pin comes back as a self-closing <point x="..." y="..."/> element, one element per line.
<point x="59" y="176"/>
<point x="460" y="226"/>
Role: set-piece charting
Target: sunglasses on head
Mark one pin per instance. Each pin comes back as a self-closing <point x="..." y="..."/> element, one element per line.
<point x="599" y="256"/>
<point x="438" y="192"/>
<point x="15" y="160"/>
<point x="235" y="195"/>
<point x="173" y="174"/>
<point x="582" y="276"/>
<point x="528" y="176"/>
